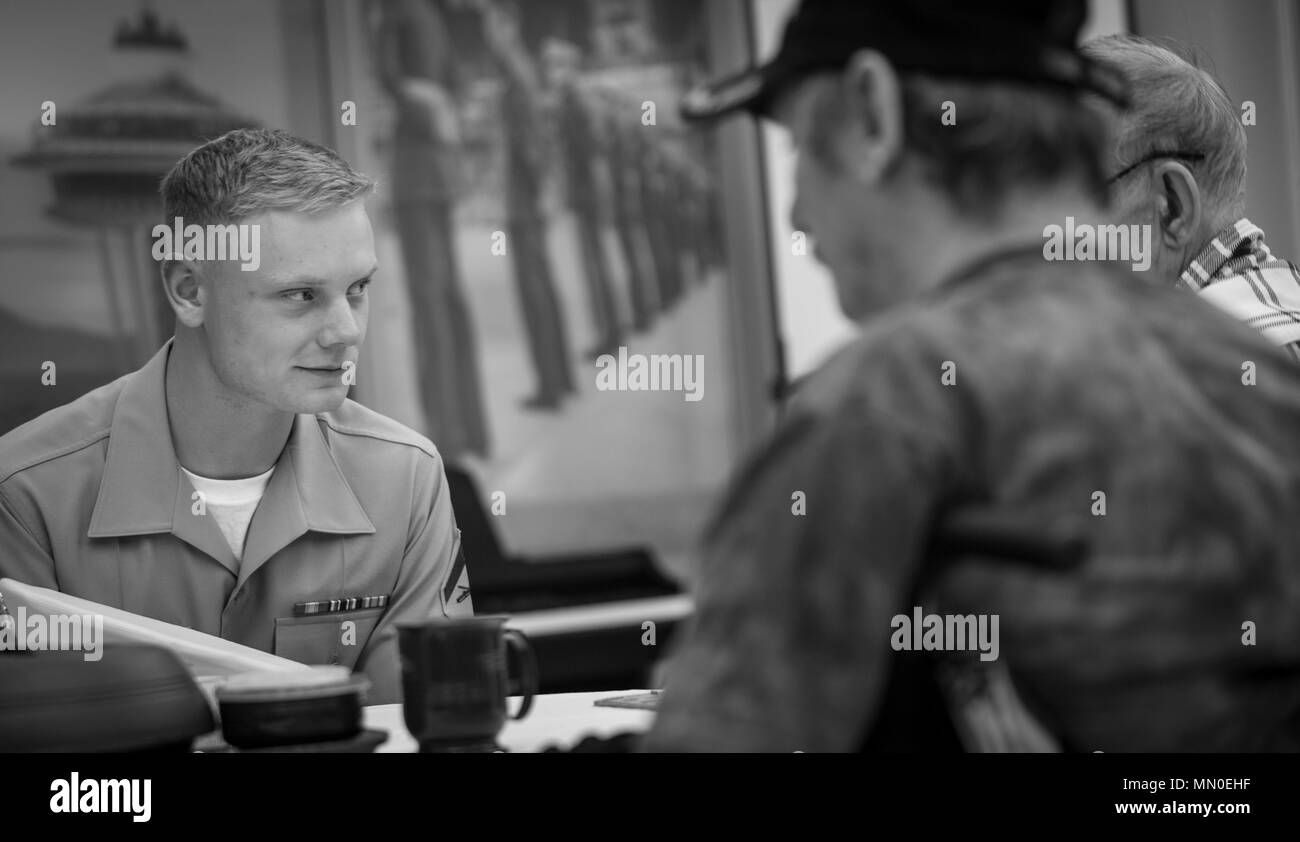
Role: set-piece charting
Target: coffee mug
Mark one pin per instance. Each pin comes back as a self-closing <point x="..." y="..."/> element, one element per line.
<point x="455" y="681"/>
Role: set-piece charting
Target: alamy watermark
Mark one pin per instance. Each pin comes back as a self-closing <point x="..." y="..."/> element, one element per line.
<point x="51" y="632"/>
<point x="945" y="633"/>
<point x="209" y="242"/>
<point x="1085" y="241"/>
<point x="73" y="794"/>
<point x="653" y="372"/>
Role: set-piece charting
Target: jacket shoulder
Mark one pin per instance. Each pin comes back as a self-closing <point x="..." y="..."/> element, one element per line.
<point x="356" y="421"/>
<point x="60" y="431"/>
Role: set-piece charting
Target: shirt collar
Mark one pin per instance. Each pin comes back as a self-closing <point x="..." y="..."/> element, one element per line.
<point x="981" y="264"/>
<point x="143" y="491"/>
<point x="1237" y="243"/>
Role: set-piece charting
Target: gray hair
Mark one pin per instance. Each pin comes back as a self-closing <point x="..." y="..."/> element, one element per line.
<point x="247" y="171"/>
<point x="1177" y="104"/>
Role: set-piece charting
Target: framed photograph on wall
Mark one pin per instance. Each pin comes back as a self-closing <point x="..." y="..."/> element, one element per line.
<point x="584" y="323"/>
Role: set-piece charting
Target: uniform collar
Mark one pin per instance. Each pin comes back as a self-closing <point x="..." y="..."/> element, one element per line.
<point x="144" y="492"/>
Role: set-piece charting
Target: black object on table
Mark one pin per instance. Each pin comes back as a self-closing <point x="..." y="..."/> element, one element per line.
<point x="134" y="698"/>
<point x="502" y="584"/>
<point x="594" y="659"/>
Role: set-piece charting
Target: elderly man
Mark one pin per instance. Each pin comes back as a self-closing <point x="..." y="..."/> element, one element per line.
<point x="1180" y="167"/>
<point x="987" y="380"/>
<point x="229" y="485"/>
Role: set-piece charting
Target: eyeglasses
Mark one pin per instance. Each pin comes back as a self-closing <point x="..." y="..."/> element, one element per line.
<point x="1155" y="156"/>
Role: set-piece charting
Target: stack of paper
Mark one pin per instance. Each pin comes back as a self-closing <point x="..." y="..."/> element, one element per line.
<point x="207" y="657"/>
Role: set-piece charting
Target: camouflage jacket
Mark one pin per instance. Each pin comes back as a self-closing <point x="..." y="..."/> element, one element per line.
<point x="1167" y="432"/>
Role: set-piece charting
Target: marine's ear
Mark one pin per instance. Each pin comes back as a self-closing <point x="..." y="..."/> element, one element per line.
<point x="185" y="293"/>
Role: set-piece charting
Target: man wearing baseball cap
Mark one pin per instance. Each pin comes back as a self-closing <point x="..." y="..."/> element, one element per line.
<point x="992" y="381"/>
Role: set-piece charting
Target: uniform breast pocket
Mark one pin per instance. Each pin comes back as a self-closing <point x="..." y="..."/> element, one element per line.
<point x="327" y="638"/>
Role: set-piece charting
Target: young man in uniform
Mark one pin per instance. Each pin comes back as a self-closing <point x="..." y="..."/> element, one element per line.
<point x="230" y="485"/>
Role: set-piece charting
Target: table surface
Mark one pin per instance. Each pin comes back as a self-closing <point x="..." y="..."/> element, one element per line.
<point x="605" y="615"/>
<point x="556" y="719"/>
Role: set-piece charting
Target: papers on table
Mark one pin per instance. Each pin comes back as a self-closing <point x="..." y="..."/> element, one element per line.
<point x="207" y="657"/>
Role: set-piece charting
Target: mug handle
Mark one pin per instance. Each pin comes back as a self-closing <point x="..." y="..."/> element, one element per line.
<point x="527" y="666"/>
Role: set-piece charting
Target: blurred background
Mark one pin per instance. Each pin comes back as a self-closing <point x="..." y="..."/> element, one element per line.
<point x="549" y="126"/>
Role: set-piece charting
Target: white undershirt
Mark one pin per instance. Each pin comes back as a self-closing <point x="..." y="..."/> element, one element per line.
<point x="231" y="502"/>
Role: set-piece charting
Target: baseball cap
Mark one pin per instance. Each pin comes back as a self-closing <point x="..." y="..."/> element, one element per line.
<point x="1015" y="40"/>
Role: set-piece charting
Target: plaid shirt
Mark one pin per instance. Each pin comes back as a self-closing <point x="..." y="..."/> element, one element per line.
<point x="1068" y="379"/>
<point x="1238" y="274"/>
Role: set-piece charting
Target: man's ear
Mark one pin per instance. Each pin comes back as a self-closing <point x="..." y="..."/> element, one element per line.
<point x="184" y="292"/>
<point x="873" y="143"/>
<point x="1178" y="205"/>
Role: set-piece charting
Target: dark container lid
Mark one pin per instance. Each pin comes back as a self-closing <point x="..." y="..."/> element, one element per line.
<point x="136" y="697"/>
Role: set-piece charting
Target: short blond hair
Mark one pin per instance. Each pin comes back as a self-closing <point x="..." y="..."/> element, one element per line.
<point x="247" y="171"/>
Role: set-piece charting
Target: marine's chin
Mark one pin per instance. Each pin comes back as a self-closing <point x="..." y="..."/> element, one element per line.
<point x="324" y="399"/>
